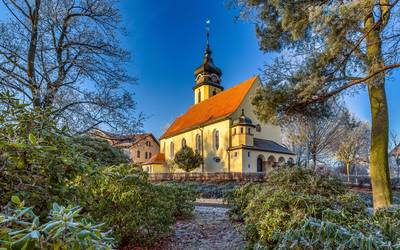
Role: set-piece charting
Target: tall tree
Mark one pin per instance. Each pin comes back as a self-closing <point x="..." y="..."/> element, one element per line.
<point x="64" y="55"/>
<point x="329" y="49"/>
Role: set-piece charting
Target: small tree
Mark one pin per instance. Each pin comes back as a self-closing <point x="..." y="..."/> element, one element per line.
<point x="187" y="160"/>
<point x="354" y="145"/>
<point x="395" y="152"/>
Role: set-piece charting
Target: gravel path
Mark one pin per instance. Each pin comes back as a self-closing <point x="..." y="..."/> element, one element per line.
<point x="210" y="228"/>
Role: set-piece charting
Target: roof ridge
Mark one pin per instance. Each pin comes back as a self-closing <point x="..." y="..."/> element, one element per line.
<point x="216" y="107"/>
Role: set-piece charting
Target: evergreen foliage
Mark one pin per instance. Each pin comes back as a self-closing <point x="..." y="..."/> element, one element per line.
<point x="302" y="209"/>
<point x="187" y="160"/>
<point x="328" y="49"/>
<point x="138" y="212"/>
<point x="21" y="228"/>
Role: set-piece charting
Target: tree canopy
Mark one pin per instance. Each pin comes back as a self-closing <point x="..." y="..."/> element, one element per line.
<point x="65" y="55"/>
<point x="329" y="49"/>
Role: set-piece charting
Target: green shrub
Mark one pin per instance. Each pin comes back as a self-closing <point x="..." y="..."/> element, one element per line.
<point x="288" y="198"/>
<point x="187" y="159"/>
<point x="99" y="153"/>
<point x="36" y="158"/>
<point x="138" y="211"/>
<point x="316" y="234"/>
<point x="20" y="228"/>
<point x="183" y="196"/>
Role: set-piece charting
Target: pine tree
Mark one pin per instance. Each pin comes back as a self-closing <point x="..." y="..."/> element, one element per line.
<point x="329" y="49"/>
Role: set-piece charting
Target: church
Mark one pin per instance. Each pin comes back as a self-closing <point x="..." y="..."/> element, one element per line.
<point x="222" y="128"/>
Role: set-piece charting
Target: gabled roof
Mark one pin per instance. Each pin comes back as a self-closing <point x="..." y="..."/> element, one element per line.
<point x="215" y="108"/>
<point x="156" y="159"/>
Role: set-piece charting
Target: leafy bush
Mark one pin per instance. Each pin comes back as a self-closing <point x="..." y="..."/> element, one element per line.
<point x="42" y="164"/>
<point x="37" y="161"/>
<point x="21" y="229"/>
<point x="288" y="198"/>
<point x="138" y="211"/>
<point x="316" y="234"/>
<point x="183" y="196"/>
<point x="99" y="153"/>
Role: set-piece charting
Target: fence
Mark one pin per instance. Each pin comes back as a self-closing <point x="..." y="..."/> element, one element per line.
<point x="365" y="181"/>
<point x="352" y="180"/>
<point x="208" y="177"/>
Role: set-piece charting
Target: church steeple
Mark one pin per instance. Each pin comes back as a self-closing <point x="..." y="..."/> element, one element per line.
<point x="207" y="75"/>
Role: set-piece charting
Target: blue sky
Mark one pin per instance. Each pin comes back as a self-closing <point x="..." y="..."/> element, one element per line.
<point x="167" y="41"/>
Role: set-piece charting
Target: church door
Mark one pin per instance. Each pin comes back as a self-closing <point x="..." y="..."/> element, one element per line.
<point x="259" y="164"/>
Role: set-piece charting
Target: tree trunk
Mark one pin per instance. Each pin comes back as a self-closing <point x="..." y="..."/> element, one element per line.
<point x="348" y="172"/>
<point x="379" y="168"/>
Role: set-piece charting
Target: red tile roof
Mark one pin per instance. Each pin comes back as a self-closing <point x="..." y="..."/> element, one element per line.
<point x="212" y="109"/>
<point x="156" y="159"/>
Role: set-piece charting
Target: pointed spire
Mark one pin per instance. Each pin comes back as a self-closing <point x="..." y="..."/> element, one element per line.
<point x="208" y="50"/>
<point x="208" y="67"/>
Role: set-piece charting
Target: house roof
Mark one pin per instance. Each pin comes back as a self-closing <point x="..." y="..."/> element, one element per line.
<point x="156" y="159"/>
<point x="121" y="141"/>
<point x="271" y="146"/>
<point x="215" y="108"/>
<point x="395" y="151"/>
<point x="266" y="146"/>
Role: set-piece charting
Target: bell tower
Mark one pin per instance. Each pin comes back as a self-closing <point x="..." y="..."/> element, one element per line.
<point x="207" y="75"/>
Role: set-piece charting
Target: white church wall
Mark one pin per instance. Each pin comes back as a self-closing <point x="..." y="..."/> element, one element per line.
<point x="268" y="131"/>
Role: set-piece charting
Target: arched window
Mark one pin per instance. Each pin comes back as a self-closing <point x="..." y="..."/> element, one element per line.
<point x="138" y="154"/>
<point x="216" y="139"/>
<point x="214" y="92"/>
<point x="199" y="96"/>
<point x="183" y="143"/>
<point x="171" y="150"/>
<point x="281" y="161"/>
<point x="248" y="130"/>
<point x="258" y="128"/>
<point x="198" y="143"/>
<point x="241" y="130"/>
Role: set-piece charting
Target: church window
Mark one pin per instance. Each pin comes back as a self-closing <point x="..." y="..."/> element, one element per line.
<point x="216" y="139"/>
<point x="248" y="130"/>
<point x="183" y="143"/>
<point x="214" y="92"/>
<point x="149" y="154"/>
<point x="138" y="154"/>
<point x="145" y="155"/>
<point x="248" y="154"/>
<point x="241" y="130"/>
<point x="171" y="150"/>
<point x="258" y="128"/>
<point x="249" y="166"/>
<point x="198" y="143"/>
<point x="199" y="96"/>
